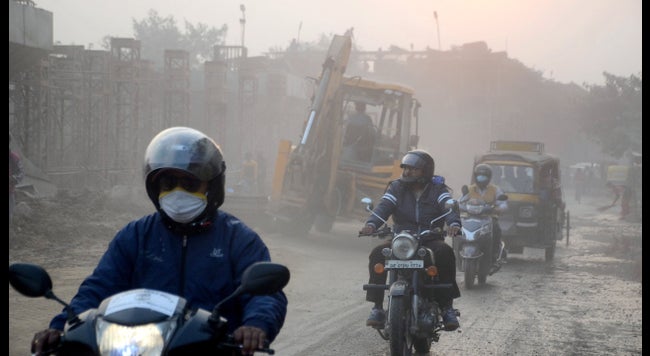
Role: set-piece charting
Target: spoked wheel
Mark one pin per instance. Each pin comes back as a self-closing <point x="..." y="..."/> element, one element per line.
<point x="397" y="318"/>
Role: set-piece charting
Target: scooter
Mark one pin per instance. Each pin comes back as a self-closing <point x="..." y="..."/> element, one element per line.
<point x="473" y="247"/>
<point x="146" y="321"/>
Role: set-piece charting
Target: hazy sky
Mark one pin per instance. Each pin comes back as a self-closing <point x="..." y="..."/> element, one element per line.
<point x="568" y="40"/>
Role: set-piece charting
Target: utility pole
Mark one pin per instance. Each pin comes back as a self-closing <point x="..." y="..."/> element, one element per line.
<point x="299" y="28"/>
<point x="242" y="80"/>
<point x="435" y="16"/>
<point x="242" y="21"/>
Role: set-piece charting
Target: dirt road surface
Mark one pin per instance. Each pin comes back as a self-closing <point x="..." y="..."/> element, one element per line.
<point x="587" y="301"/>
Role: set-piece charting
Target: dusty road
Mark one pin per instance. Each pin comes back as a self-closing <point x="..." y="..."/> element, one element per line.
<point x="587" y="301"/>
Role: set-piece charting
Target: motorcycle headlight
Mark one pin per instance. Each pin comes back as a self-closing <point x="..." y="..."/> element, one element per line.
<point x="404" y="246"/>
<point x="485" y="229"/>
<point x="148" y="339"/>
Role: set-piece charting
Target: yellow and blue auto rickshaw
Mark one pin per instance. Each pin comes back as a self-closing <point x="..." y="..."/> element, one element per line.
<point x="536" y="217"/>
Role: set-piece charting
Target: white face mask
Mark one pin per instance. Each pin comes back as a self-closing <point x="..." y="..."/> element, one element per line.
<point x="481" y="178"/>
<point x="182" y="206"/>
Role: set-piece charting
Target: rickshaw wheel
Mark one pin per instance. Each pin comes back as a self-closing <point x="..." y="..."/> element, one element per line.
<point x="549" y="253"/>
<point x="567" y="223"/>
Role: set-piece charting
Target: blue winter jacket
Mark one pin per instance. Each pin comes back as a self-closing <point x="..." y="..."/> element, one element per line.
<point x="203" y="268"/>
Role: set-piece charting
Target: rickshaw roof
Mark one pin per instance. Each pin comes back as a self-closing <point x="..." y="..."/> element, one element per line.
<point x="530" y="152"/>
<point x="531" y="158"/>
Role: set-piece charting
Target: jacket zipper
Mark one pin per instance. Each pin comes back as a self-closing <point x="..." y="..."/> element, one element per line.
<point x="183" y="258"/>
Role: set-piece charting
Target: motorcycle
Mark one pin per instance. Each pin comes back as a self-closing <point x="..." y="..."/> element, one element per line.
<point x="473" y="247"/>
<point x="413" y="317"/>
<point x="146" y="321"/>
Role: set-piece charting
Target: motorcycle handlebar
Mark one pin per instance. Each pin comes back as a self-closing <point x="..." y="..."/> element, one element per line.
<point x="388" y="232"/>
<point x="231" y="344"/>
<point x="240" y="347"/>
<point x="378" y="233"/>
<point x="489" y="208"/>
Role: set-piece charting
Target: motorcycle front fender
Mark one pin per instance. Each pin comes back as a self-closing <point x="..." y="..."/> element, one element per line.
<point x="398" y="288"/>
<point x="470" y="252"/>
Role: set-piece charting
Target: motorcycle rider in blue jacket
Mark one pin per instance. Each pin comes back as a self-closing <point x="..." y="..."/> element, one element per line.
<point x="187" y="247"/>
<point x="413" y="200"/>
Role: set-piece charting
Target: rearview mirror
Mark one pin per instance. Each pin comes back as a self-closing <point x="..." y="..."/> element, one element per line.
<point x="450" y="204"/>
<point x="368" y="203"/>
<point x="29" y="280"/>
<point x="263" y="278"/>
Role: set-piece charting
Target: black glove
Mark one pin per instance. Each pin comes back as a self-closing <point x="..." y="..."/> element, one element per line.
<point x="367" y="230"/>
<point x="453" y="230"/>
<point x="46" y="340"/>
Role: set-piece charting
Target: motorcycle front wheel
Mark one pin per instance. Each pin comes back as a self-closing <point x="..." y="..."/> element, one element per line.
<point x="484" y="266"/>
<point x="422" y="345"/>
<point x="398" y="319"/>
<point x="470" y="272"/>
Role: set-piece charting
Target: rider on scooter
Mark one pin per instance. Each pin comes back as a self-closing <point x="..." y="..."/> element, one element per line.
<point x="484" y="190"/>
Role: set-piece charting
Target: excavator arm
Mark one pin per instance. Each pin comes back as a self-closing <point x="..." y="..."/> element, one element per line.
<point x="311" y="169"/>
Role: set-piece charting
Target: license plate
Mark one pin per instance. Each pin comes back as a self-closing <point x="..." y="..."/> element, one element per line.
<point x="404" y="264"/>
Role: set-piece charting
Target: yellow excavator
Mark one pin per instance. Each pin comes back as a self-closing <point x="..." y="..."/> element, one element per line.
<point x="320" y="177"/>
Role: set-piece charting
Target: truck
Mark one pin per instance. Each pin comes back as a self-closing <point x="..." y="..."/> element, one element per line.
<point x="317" y="180"/>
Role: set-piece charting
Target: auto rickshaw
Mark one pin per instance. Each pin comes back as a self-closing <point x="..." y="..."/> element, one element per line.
<point x="536" y="217"/>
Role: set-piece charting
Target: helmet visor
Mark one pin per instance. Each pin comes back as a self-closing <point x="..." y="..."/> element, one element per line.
<point x="412" y="160"/>
<point x="184" y="149"/>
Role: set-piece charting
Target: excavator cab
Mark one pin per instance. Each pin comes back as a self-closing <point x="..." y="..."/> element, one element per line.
<point x="387" y="106"/>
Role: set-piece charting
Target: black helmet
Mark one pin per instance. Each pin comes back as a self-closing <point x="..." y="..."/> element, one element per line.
<point x="191" y="151"/>
<point x="418" y="159"/>
<point x="483" y="171"/>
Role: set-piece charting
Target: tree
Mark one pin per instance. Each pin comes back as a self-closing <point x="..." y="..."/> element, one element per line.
<point x="158" y="34"/>
<point x="612" y="114"/>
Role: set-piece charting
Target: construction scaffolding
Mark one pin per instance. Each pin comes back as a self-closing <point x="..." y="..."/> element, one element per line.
<point x="123" y="134"/>
<point x="177" y="88"/>
<point x="77" y="117"/>
<point x="216" y="107"/>
<point x="84" y="117"/>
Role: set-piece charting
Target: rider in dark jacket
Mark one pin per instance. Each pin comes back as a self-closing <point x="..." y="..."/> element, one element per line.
<point x="187" y="247"/>
<point x="413" y="201"/>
